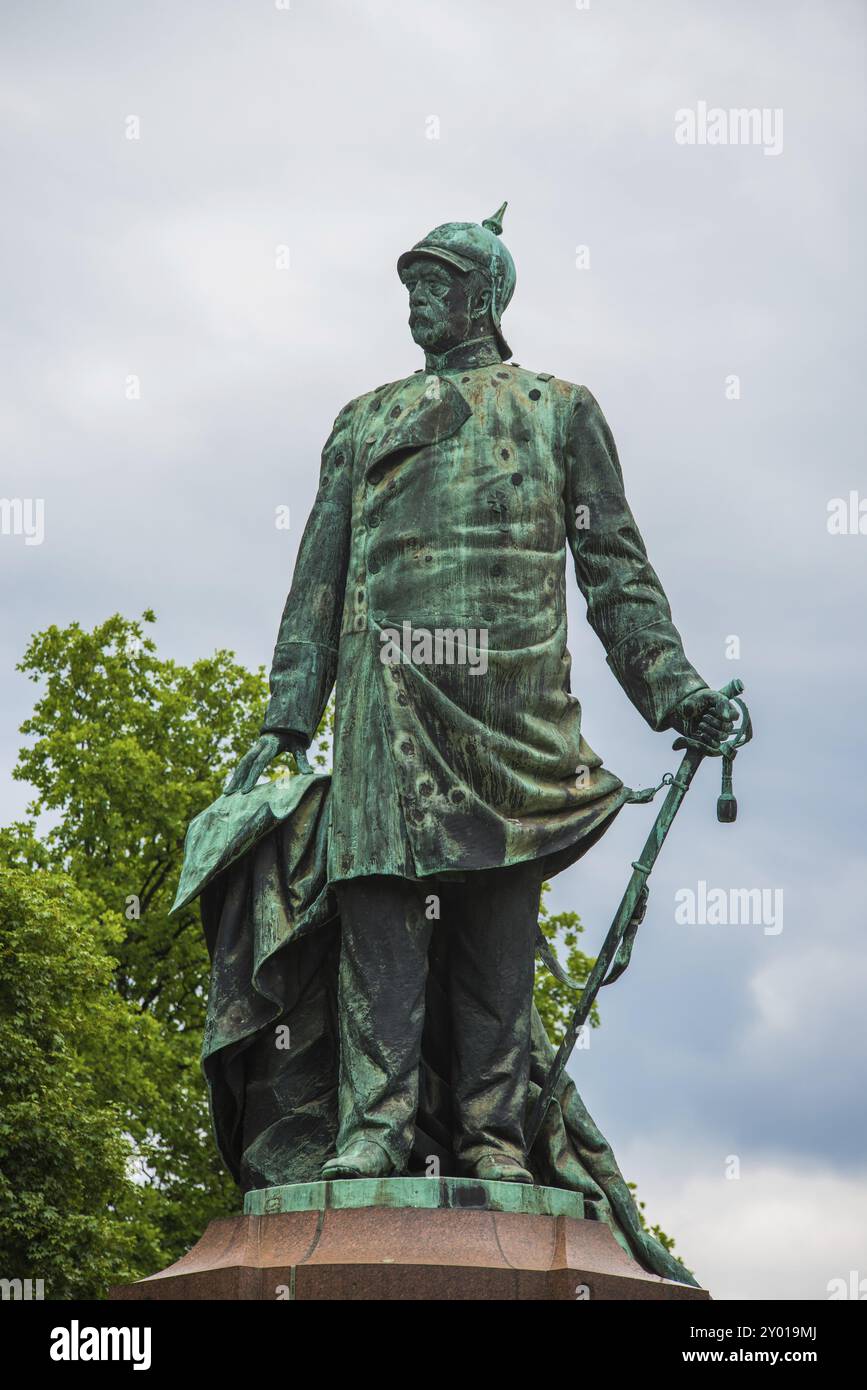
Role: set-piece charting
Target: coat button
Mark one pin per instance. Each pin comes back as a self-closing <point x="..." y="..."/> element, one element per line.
<point x="394" y="412"/>
<point x="535" y="394"/>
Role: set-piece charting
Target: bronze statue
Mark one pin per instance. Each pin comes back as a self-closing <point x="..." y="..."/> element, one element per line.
<point x="387" y="917"/>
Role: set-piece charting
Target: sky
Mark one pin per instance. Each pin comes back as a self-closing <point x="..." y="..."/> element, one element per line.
<point x="204" y="204"/>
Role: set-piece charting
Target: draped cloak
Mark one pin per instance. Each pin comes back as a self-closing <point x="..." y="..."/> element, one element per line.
<point x="271" y="1046"/>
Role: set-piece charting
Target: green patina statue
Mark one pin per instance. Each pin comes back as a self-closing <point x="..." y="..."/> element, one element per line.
<point x="373" y="933"/>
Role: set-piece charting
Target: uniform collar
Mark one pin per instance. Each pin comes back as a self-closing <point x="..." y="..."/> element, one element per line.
<point x="476" y="352"/>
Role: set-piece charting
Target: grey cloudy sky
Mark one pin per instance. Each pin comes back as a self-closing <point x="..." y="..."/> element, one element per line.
<point x="309" y="127"/>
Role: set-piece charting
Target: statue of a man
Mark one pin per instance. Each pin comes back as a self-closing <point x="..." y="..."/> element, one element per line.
<point x="430" y="585"/>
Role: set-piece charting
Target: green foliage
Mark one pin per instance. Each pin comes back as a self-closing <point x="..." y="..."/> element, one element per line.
<point x="108" y="1170"/>
<point x="556" y="1002"/>
<point x="63" y="1155"/>
<point x="127" y="748"/>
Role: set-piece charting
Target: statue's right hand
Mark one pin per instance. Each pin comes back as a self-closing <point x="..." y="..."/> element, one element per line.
<point x="254" y="762"/>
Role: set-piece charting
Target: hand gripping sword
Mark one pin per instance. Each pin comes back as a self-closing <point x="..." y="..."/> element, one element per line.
<point x="617" y="946"/>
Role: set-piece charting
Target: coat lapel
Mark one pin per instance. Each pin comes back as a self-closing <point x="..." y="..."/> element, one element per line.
<point x="436" y="411"/>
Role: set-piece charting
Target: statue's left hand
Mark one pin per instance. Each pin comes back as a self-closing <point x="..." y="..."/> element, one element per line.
<point x="263" y="752"/>
<point x="707" y="716"/>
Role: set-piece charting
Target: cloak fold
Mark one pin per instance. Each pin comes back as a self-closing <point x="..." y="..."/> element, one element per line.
<point x="271" y="1044"/>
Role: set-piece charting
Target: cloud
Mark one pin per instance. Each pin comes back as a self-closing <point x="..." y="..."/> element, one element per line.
<point x="779" y="1231"/>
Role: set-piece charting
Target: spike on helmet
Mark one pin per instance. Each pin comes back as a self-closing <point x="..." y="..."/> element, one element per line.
<point x="473" y="246"/>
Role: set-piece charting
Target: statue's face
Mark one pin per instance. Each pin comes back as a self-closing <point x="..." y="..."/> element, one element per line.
<point x="445" y="304"/>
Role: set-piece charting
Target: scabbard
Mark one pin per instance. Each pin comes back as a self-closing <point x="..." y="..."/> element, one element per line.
<point x="626" y="911"/>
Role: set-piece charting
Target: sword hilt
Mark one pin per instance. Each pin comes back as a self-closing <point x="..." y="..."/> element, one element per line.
<point x="726" y="806"/>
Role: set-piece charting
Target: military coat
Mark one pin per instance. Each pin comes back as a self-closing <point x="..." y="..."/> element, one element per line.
<point x="449" y="502"/>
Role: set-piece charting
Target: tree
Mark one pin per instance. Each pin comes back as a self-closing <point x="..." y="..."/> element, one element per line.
<point x="555" y="1001"/>
<point x="126" y="749"/>
<point x="63" y="1154"/>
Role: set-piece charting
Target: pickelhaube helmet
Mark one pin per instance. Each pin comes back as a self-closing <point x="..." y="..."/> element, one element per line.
<point x="473" y="246"/>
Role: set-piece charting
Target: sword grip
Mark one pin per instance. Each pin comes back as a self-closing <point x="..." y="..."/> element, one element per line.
<point x="727" y="806"/>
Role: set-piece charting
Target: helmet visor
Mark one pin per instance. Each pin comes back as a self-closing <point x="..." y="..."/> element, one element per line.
<point x="435" y="253"/>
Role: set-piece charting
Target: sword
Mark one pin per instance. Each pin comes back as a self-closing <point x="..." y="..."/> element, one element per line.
<point x="617" y="946"/>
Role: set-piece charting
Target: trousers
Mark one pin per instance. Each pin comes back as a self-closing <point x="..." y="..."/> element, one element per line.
<point x="387" y="926"/>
